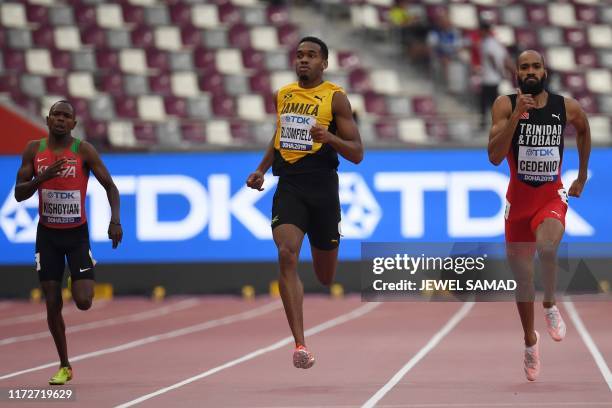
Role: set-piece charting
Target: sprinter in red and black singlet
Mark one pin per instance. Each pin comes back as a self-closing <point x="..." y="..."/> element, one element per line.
<point x="314" y="124"/>
<point x="57" y="167"/>
<point x="528" y="131"/>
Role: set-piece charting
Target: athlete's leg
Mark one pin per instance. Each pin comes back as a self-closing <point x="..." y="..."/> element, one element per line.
<point x="324" y="263"/>
<point x="548" y="237"/>
<point x="82" y="293"/>
<point x="520" y="250"/>
<point x="81" y="264"/>
<point x="53" y="298"/>
<point x="288" y="239"/>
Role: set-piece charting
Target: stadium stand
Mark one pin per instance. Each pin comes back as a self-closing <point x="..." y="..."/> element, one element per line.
<point x="187" y="74"/>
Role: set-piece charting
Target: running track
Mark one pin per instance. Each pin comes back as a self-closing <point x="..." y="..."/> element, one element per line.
<point x="226" y="352"/>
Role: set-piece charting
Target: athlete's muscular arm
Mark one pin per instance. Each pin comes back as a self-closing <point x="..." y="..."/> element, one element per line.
<point x="94" y="162"/>
<point x="504" y="124"/>
<point x="576" y="116"/>
<point x="256" y="179"/>
<point x="348" y="140"/>
<point x="27" y="184"/>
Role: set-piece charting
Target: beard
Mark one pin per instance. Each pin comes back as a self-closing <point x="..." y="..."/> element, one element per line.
<point x="532" y="88"/>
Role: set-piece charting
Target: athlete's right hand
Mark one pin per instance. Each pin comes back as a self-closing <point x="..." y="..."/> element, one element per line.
<point x="52" y="171"/>
<point x="255" y="180"/>
<point x="524" y="102"/>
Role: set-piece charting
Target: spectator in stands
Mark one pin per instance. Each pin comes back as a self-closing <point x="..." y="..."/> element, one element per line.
<point x="495" y="65"/>
<point x="411" y="31"/>
<point x="445" y="42"/>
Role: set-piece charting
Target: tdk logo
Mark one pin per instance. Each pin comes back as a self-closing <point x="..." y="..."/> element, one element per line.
<point x="548" y="152"/>
<point x="61" y="195"/>
<point x="303" y="120"/>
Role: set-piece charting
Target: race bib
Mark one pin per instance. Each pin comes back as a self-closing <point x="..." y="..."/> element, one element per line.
<point x="295" y="132"/>
<point x="539" y="164"/>
<point x="61" y="206"/>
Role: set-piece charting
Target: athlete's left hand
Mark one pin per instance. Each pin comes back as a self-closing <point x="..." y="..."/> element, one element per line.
<point x="576" y="188"/>
<point x="320" y="134"/>
<point x="115" y="233"/>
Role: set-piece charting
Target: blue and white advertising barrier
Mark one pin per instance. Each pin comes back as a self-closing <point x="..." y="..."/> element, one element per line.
<point x="195" y="207"/>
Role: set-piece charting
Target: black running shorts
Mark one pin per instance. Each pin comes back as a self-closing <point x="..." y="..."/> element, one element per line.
<point x="54" y="246"/>
<point x="310" y="201"/>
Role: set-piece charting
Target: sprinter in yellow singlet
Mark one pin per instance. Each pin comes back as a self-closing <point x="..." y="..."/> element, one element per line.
<point x="314" y="123"/>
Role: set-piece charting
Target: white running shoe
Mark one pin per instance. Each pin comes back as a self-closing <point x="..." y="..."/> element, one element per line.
<point x="554" y="323"/>
<point x="532" y="360"/>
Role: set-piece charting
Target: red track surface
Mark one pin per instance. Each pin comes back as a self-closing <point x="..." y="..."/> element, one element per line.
<point x="478" y="363"/>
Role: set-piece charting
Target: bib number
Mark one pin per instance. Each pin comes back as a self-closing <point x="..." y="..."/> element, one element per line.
<point x="295" y="132"/>
<point x="61" y="206"/>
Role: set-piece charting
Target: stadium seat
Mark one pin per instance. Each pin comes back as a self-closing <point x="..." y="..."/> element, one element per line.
<point x="513" y="15"/>
<point x="199" y="107"/>
<point x="13" y="15"/>
<point x="586" y="57"/>
<point x="218" y="132"/>
<point x="526" y="38"/>
<point x="119" y="38"/>
<point x="133" y="14"/>
<point x="561" y="58"/>
<point x="251" y="107"/>
<point x="600" y="36"/>
<point x="264" y="38"/>
<point x="551" y="36"/>
<point x="574" y="82"/>
<point x="160" y="84"/>
<point x="37" y="14"/>
<point x="181" y="61"/>
<point x="19" y="38"/>
<point x="386" y="131"/>
<point x="599" y="80"/>
<point x="191" y="36"/>
<point x="67" y="38"/>
<point x="157" y="59"/>
<point x="81" y="84"/>
<point x="137" y="85"/>
<point x="463" y="15"/>
<point x="412" y="130"/>
<point x="239" y="36"/>
<point x="151" y="108"/>
<point x="168" y="38"/>
<point x="133" y="60"/>
<point x="111" y="83"/>
<point x="236" y="84"/>
<point x="61" y="15"/>
<point x="184" y="84"/>
<point x="57" y="85"/>
<point x="359" y="80"/>
<point x="253" y="59"/>
<point x="193" y="132"/>
<point x="102" y="108"/>
<point x="126" y="107"/>
<point x="121" y="134"/>
<point x="180" y="13"/>
<point x="84" y="60"/>
<point x="94" y="37"/>
<point x="157" y="15"/>
<point x="586" y="14"/>
<point x="205" y="16"/>
<point x="85" y="15"/>
<point x="223" y="106"/>
<point x="211" y="81"/>
<point x="32" y="85"/>
<point x="38" y="61"/>
<point x="109" y="16"/>
<point x="145" y="134"/>
<point x="279" y="79"/>
<point x="605" y="58"/>
<point x="143" y="37"/>
<point x="537" y="15"/>
<point x="376" y="104"/>
<point x="562" y="14"/>
<point x="229" y="61"/>
<point x="576" y="37"/>
<point x="176" y="106"/>
<point x="423" y="106"/>
<point x="107" y="59"/>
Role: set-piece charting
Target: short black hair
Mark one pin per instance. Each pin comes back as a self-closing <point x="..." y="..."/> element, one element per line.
<point x="324" y="49"/>
<point x="67" y="103"/>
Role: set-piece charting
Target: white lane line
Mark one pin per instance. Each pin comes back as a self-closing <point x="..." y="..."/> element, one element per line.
<point x="356" y="313"/>
<point x="589" y="342"/>
<point x="433" y="342"/>
<point x="580" y="404"/>
<point x="131" y="318"/>
<point x="9" y="321"/>
<point x="267" y="308"/>
<point x="6" y="303"/>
